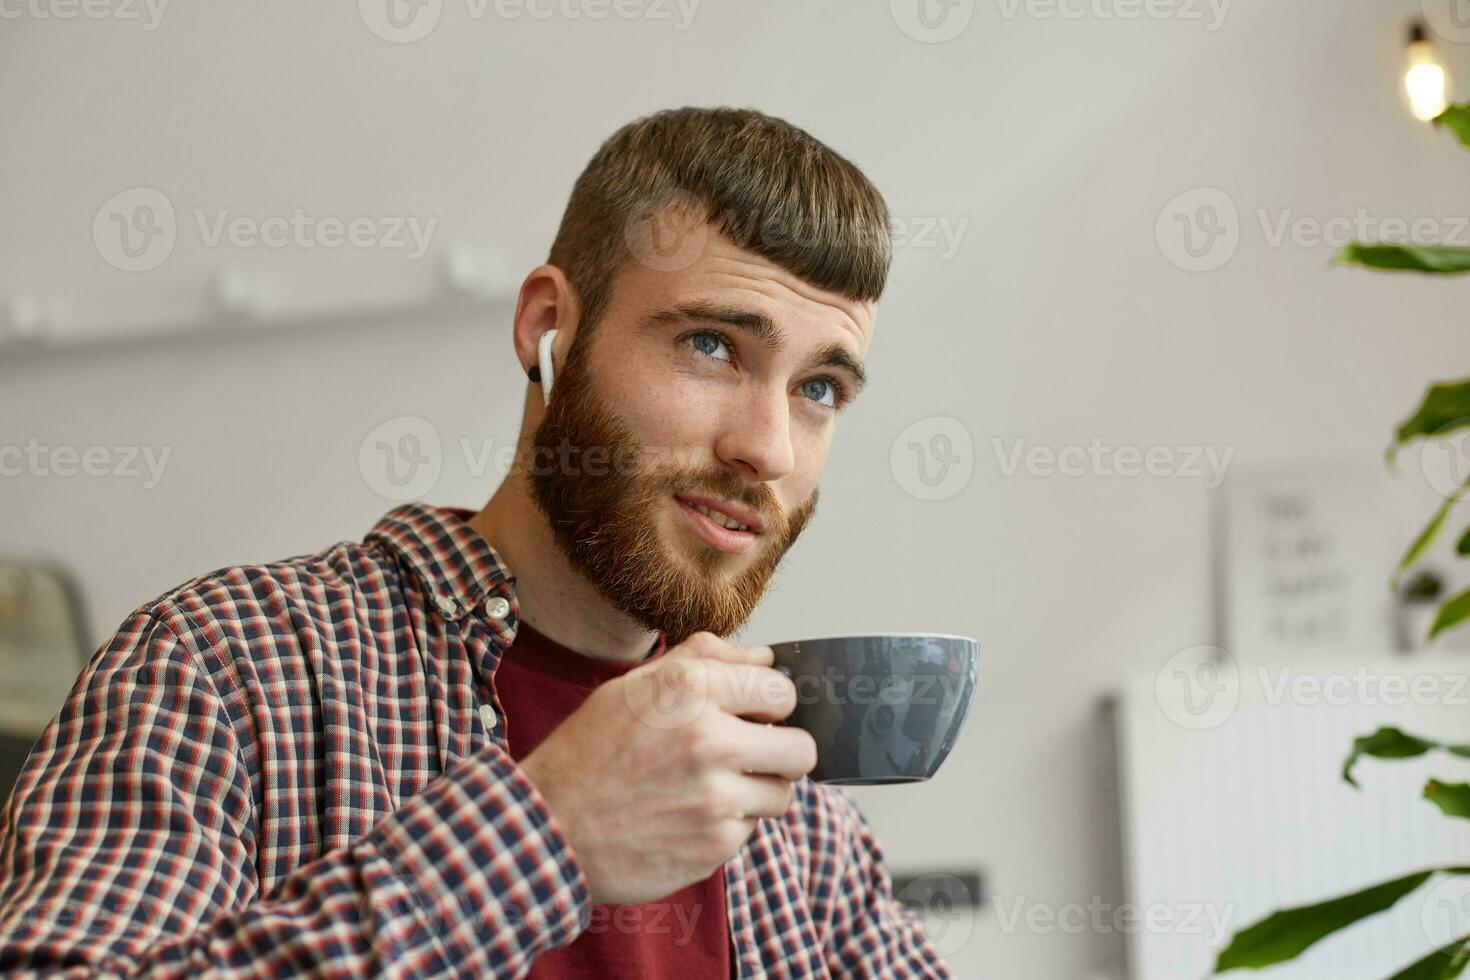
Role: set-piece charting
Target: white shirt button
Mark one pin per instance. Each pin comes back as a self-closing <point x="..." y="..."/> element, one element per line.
<point x="497" y="607"/>
<point x="487" y="717"/>
<point x="448" y="609"/>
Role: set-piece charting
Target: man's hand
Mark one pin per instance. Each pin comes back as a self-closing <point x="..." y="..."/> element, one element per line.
<point x="661" y="775"/>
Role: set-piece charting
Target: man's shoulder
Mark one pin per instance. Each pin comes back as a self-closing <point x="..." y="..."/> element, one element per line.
<point x="304" y="591"/>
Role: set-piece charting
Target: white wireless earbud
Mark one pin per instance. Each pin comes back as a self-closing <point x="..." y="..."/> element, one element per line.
<point x="543" y="353"/>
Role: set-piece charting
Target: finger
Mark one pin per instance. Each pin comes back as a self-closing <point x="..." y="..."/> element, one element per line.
<point x="711" y="647"/>
<point x="746" y="827"/>
<point x="776" y="751"/>
<point x="707" y="646"/>
<point x="762" y="655"/>
<point x="764" y="796"/>
<point x="751" y="691"/>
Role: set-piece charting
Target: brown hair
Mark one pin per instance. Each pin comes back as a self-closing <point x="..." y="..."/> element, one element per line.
<point x="772" y="188"/>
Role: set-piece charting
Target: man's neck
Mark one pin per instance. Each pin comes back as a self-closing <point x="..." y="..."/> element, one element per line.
<point x="553" y="596"/>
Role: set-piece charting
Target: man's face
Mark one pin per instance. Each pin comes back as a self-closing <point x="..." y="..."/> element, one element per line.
<point x="679" y="396"/>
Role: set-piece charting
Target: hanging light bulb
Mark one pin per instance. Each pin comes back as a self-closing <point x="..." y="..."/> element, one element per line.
<point x="1425" y="80"/>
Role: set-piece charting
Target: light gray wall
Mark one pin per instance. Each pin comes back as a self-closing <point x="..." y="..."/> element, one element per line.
<point x="1058" y="320"/>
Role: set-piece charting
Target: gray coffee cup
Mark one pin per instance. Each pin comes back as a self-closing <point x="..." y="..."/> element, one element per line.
<point x="883" y="707"/>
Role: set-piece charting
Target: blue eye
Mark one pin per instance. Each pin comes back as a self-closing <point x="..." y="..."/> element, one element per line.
<point x="824" y="391"/>
<point x="707" y="336"/>
<point x="819" y="383"/>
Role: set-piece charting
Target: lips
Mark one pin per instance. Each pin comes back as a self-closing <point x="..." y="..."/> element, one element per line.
<point x="721" y="537"/>
<point x="728" y="510"/>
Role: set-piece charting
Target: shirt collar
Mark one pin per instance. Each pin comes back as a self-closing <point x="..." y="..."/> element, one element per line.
<point x="458" y="567"/>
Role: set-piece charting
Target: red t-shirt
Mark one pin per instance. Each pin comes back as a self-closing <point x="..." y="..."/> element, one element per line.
<point x="683" y="936"/>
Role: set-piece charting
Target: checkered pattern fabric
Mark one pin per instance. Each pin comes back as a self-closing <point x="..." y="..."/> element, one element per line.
<point x="283" y="769"/>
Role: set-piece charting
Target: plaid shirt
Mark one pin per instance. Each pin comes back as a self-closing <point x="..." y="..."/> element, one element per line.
<point x="301" y="768"/>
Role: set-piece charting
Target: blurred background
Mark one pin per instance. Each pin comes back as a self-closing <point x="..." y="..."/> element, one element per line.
<point x="1126" y="424"/>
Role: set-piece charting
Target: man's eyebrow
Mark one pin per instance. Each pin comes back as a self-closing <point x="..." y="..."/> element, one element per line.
<point x="765" y="332"/>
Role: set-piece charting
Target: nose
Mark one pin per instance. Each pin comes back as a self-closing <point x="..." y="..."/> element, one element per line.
<point x="755" y="437"/>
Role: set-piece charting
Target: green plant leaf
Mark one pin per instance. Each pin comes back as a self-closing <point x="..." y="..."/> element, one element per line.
<point x="1462" y="547"/>
<point x="1454" y="612"/>
<point x="1386" y="743"/>
<point x="1452" y="798"/>
<point x="1426" y="537"/>
<point x="1445" y="409"/>
<point x="1444" y="963"/>
<point x="1283" y="935"/>
<point x="1442" y="260"/>
<point x="1456" y="118"/>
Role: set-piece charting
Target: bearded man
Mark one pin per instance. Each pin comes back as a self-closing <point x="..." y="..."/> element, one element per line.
<point x="518" y="741"/>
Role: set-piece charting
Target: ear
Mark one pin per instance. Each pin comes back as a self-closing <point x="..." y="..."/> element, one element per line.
<point x="546" y="302"/>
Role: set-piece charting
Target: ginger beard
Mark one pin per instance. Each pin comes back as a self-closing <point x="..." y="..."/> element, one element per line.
<point x="613" y="515"/>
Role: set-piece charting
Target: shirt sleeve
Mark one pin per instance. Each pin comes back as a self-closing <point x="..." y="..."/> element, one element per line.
<point x="128" y="846"/>
<point x="873" y="934"/>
